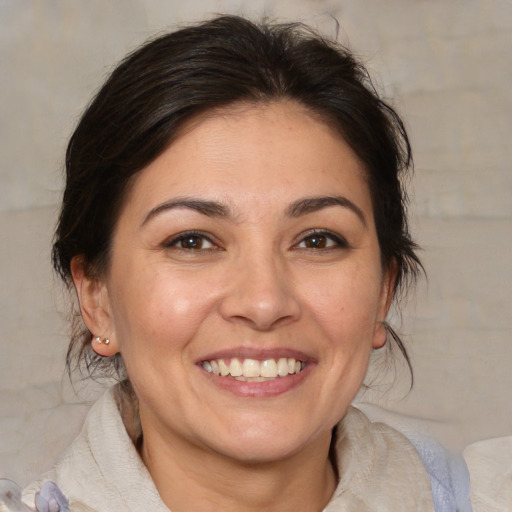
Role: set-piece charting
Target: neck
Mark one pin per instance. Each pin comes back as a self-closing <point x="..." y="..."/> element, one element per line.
<point x="191" y="478"/>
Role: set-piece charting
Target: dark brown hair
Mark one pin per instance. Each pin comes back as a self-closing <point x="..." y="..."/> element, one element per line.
<point x="155" y="90"/>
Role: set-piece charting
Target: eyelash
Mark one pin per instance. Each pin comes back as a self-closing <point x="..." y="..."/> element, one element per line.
<point x="339" y="241"/>
<point x="181" y="237"/>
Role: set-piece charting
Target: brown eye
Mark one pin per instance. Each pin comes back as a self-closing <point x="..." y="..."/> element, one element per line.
<point x="322" y="240"/>
<point x="191" y="242"/>
<point x="316" y="242"/>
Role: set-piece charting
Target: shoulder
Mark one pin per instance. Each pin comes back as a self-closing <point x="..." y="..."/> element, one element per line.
<point x="64" y="485"/>
<point x="447" y="471"/>
<point x="77" y="471"/>
<point x="102" y="469"/>
<point x="378" y="468"/>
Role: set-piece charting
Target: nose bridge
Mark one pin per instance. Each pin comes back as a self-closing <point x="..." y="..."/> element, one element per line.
<point x="261" y="293"/>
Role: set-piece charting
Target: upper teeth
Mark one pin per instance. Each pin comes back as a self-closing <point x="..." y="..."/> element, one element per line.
<point x="252" y="368"/>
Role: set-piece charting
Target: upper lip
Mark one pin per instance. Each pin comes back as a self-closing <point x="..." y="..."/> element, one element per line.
<point x="260" y="354"/>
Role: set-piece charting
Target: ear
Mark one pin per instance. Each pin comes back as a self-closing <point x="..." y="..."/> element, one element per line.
<point x="94" y="303"/>
<point x="386" y="297"/>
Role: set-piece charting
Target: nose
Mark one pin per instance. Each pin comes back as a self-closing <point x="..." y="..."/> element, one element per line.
<point x="260" y="294"/>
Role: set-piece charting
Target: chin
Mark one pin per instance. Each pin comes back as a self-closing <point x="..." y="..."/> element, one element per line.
<point x="266" y="445"/>
<point x="258" y="454"/>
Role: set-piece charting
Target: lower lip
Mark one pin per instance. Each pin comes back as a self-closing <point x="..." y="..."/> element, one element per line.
<point x="265" y="389"/>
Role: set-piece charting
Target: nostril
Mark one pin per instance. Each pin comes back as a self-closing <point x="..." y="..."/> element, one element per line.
<point x="263" y="316"/>
<point x="260" y="295"/>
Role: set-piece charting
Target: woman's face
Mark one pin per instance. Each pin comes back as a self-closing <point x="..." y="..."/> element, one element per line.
<point x="246" y="291"/>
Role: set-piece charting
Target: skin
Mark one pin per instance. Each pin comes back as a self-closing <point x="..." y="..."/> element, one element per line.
<point x="258" y="283"/>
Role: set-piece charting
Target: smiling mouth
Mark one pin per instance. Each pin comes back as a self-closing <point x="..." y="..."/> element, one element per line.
<point x="253" y="370"/>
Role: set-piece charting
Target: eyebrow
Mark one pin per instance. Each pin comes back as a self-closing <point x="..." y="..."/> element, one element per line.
<point x="313" y="204"/>
<point x="298" y="208"/>
<point x="208" y="208"/>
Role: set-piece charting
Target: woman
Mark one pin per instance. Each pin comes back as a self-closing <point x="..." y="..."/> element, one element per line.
<point x="234" y="226"/>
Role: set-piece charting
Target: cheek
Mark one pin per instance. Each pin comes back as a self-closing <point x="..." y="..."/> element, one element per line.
<point x="347" y="301"/>
<point x="158" y="310"/>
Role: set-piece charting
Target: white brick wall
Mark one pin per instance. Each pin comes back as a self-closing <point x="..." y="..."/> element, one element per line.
<point x="447" y="64"/>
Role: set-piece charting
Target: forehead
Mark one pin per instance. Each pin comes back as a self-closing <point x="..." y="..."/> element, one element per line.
<point x="252" y="154"/>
